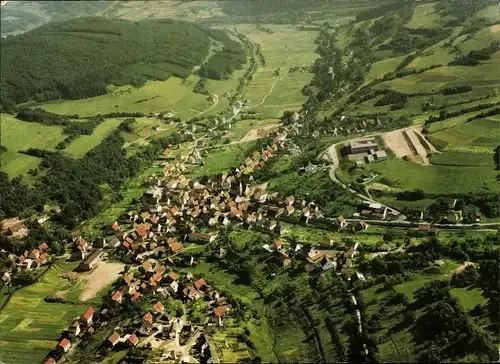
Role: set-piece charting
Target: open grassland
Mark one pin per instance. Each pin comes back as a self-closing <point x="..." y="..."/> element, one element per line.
<point x="483" y="75"/>
<point x="20" y="135"/>
<point x="436" y="179"/>
<point x="80" y="146"/>
<point x="30" y="327"/>
<point x="424" y="16"/>
<point x="463" y="159"/>
<point x="173" y="94"/>
<point x="380" y="68"/>
<point x="269" y="93"/>
<point x="432" y="57"/>
<point x="490" y="14"/>
<point x="480" y="136"/>
<point x="479" y="40"/>
<point x="220" y="160"/>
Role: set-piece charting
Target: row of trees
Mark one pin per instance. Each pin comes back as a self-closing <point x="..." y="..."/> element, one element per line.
<point x="443" y="114"/>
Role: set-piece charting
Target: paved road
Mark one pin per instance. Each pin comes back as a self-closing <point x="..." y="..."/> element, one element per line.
<point x="478" y="226"/>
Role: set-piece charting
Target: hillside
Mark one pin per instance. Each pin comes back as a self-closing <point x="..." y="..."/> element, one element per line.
<point x="427" y="66"/>
<point x="79" y="58"/>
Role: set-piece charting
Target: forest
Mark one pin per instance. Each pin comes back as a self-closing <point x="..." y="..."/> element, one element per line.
<point x="80" y="57"/>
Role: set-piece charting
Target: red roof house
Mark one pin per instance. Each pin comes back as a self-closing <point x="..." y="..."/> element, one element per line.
<point x="64" y="345"/>
<point x="88" y="315"/>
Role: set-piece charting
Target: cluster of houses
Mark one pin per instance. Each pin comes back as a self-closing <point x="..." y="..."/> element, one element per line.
<point x="175" y="211"/>
<point x="313" y="260"/>
<point x="30" y="259"/>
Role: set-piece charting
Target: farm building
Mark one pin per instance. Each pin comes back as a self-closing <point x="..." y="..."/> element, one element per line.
<point x="362" y="145"/>
<point x="90" y="261"/>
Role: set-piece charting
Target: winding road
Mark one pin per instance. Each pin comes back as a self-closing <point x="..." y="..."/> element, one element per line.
<point x="331" y="155"/>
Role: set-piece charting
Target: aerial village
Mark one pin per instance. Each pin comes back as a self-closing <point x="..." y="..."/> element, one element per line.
<point x="173" y="213"/>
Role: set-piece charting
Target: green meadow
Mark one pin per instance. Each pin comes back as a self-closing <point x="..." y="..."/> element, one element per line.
<point x="480" y="39"/>
<point x="479" y="136"/>
<point x="424" y="16"/>
<point x="222" y="159"/>
<point x="20" y="135"/>
<point x="174" y="95"/>
<point x="81" y="145"/>
<point x="436" y="179"/>
<point x="380" y="68"/>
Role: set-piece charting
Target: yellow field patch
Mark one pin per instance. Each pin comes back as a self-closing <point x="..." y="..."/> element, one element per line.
<point x="23" y="325"/>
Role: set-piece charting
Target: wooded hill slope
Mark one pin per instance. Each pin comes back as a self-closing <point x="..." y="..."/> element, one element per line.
<point x="78" y="58"/>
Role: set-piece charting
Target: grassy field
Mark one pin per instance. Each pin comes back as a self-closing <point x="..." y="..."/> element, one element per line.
<point x="284" y="48"/>
<point x="220" y="160"/>
<point x="483" y="75"/>
<point x="480" y="39"/>
<point x="380" y="68"/>
<point x="173" y="94"/>
<point x="436" y="179"/>
<point x="81" y="145"/>
<point x="490" y="14"/>
<point x="20" y="135"/>
<point x="480" y="136"/>
<point x="463" y="159"/>
<point x="468" y="297"/>
<point x="30" y="327"/>
<point x="424" y="16"/>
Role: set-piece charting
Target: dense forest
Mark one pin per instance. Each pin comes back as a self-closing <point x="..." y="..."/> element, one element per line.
<point x="80" y="57"/>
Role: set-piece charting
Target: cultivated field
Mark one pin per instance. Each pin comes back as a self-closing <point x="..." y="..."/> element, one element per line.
<point x="477" y="136"/>
<point x="20" y="135"/>
<point x="29" y="326"/>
